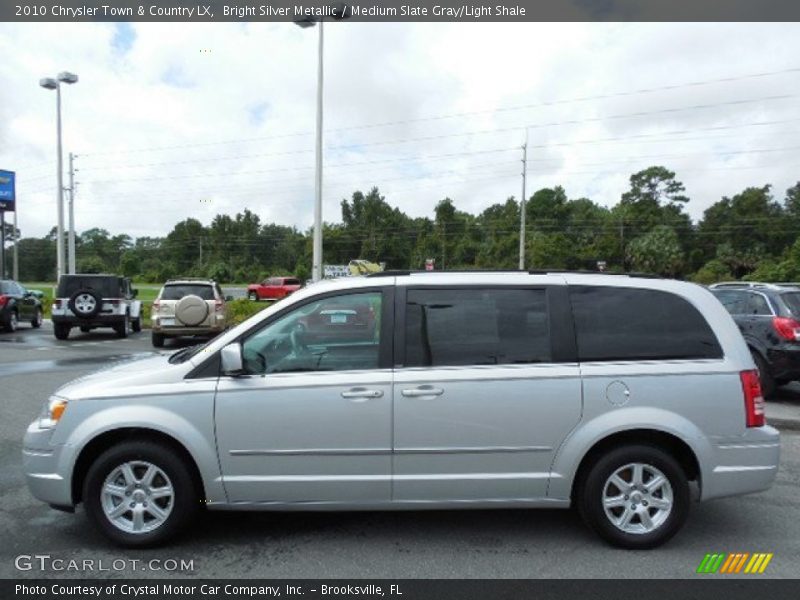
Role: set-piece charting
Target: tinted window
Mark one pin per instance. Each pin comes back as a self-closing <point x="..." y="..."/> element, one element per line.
<point x="636" y="324"/>
<point x="332" y="334"/>
<point x="792" y="302"/>
<point x="291" y="281"/>
<point x="476" y="327"/>
<point x="734" y="302"/>
<point x="757" y="305"/>
<point x="176" y="292"/>
<point x="107" y="287"/>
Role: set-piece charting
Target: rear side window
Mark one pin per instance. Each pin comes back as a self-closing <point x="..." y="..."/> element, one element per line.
<point x="734" y="302"/>
<point x="757" y="305"/>
<point x="291" y="282"/>
<point x="614" y="323"/>
<point x="176" y="292"/>
<point x="451" y="327"/>
<point x="792" y="302"/>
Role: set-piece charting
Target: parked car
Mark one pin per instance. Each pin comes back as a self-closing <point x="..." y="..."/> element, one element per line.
<point x="273" y="288"/>
<point x="768" y="316"/>
<point x="18" y="305"/>
<point x="188" y="307"/>
<point x="93" y="301"/>
<point x="625" y="397"/>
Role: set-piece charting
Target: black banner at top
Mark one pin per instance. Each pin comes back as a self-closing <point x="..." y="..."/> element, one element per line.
<point x="399" y="10"/>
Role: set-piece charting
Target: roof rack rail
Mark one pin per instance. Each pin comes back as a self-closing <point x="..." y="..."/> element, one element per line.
<point x="190" y="279"/>
<point x="405" y="272"/>
<point x="745" y="285"/>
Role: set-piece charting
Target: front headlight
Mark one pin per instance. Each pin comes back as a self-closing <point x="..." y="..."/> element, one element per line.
<point x="53" y="410"/>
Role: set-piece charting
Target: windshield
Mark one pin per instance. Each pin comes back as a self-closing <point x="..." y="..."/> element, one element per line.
<point x="176" y="292"/>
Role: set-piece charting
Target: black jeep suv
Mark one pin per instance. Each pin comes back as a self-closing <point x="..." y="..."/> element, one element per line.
<point x="769" y="318"/>
<point x="91" y="301"/>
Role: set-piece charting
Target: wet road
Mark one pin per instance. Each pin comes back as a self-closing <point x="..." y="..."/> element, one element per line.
<point x="511" y="543"/>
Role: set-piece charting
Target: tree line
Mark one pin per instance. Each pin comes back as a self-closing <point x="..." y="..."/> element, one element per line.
<point x="752" y="235"/>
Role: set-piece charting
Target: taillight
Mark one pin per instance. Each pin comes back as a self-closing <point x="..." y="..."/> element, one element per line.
<point x="217" y="305"/>
<point x="56" y="303"/>
<point x="114" y="302"/>
<point x="787" y="328"/>
<point x="753" y="399"/>
<point x="156" y="306"/>
<point x="3" y="300"/>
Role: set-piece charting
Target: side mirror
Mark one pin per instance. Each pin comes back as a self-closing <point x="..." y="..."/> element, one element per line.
<point x="135" y="292"/>
<point x="228" y="298"/>
<point x="231" y="359"/>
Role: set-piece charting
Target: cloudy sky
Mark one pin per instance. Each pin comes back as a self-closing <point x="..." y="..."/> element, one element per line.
<point x="178" y="120"/>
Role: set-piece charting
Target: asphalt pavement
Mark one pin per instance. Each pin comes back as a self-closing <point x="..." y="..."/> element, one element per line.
<point x="412" y="544"/>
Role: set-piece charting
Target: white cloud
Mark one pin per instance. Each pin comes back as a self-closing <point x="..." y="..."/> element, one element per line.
<point x="167" y="115"/>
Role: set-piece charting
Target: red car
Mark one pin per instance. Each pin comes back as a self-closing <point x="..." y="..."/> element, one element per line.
<point x="273" y="288"/>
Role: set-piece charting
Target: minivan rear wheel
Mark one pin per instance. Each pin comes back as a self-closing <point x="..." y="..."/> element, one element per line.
<point x="635" y="497"/>
<point x="139" y="494"/>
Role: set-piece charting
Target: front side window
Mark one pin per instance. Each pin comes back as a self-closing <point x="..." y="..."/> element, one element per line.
<point x="616" y="323"/>
<point x="451" y="327"/>
<point x="339" y="333"/>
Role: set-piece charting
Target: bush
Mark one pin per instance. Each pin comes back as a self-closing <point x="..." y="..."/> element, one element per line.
<point x="712" y="272"/>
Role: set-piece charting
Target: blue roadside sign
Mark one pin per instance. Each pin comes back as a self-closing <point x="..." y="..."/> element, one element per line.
<point x="7" y="192"/>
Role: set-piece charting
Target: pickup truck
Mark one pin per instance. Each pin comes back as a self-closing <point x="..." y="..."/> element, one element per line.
<point x="273" y="288"/>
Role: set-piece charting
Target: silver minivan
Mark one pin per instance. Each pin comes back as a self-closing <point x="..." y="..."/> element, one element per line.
<point x="625" y="397"/>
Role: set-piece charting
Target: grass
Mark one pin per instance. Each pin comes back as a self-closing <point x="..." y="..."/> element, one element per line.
<point x="238" y="310"/>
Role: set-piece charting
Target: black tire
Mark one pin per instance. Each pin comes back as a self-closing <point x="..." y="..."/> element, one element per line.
<point x="252" y="296"/>
<point x="764" y="375"/>
<point x="183" y="505"/>
<point x="157" y="339"/>
<point x="36" y="321"/>
<point x="590" y="493"/>
<point x="85" y="313"/>
<point x="85" y="329"/>
<point x="136" y="325"/>
<point x="123" y="328"/>
<point x="13" y="322"/>
<point x="61" y="331"/>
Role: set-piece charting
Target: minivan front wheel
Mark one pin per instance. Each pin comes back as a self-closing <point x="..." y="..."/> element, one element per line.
<point x="635" y="497"/>
<point x="139" y="494"/>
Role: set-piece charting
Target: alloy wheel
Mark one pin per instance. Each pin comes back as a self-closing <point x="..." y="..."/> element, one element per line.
<point x="137" y="497"/>
<point x="637" y="498"/>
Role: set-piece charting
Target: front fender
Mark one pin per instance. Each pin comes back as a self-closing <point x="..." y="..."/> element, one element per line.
<point x="196" y="437"/>
<point x="575" y="447"/>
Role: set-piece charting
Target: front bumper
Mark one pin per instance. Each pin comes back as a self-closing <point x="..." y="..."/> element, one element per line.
<point x="743" y="466"/>
<point x="47" y="475"/>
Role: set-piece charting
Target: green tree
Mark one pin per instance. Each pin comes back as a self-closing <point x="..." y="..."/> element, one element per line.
<point x="658" y="252"/>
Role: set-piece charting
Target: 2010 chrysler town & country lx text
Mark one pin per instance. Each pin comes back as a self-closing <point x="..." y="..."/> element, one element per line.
<point x="626" y="397"/>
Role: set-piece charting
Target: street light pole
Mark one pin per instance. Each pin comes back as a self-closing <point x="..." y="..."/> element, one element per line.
<point x="60" y="192"/>
<point x="55" y="84"/>
<point x="316" y="271"/>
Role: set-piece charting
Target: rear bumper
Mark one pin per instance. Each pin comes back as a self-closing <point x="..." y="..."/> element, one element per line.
<point x="785" y="361"/>
<point x="176" y="331"/>
<point x="743" y="466"/>
<point x="96" y="321"/>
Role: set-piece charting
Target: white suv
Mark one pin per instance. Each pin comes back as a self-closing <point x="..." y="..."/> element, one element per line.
<point x="188" y="307"/>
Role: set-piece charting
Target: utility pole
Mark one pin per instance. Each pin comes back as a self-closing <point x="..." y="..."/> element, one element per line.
<point x="522" y="204"/>
<point x="71" y="240"/>
<point x="15" y="266"/>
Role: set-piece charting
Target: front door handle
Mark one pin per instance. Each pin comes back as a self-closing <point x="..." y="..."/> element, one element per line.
<point x="362" y="393"/>
<point x="421" y="391"/>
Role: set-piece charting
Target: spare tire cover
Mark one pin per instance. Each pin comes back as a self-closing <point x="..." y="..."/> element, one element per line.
<point x="191" y="310"/>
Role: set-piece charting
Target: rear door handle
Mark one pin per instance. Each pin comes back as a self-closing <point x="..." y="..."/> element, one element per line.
<point x="362" y="393"/>
<point x="422" y="391"/>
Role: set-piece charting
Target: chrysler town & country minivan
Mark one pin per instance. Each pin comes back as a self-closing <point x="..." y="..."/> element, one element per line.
<point x="625" y="397"/>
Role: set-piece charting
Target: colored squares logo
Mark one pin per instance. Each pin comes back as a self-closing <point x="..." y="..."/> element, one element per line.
<point x="736" y="562"/>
